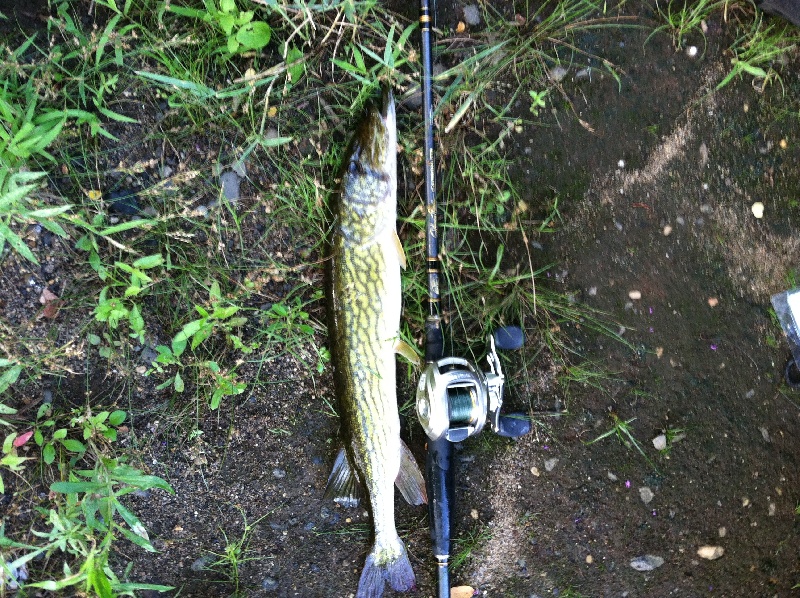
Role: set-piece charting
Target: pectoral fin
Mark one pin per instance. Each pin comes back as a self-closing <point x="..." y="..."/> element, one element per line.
<point x="400" y="252"/>
<point x="409" y="480"/>
<point x="343" y="486"/>
<point x="407" y="351"/>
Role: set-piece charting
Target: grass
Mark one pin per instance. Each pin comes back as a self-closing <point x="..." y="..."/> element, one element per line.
<point x="621" y="428"/>
<point x="158" y="100"/>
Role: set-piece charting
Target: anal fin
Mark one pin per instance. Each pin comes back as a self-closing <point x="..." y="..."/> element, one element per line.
<point x="409" y="479"/>
<point x="343" y="486"/>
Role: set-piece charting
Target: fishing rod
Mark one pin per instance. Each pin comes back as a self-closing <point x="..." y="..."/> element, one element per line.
<point x="454" y="397"/>
<point x="438" y="471"/>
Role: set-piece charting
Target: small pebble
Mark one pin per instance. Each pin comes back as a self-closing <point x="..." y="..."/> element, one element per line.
<point x="635" y="295"/>
<point x="474" y="513"/>
<point x="772" y="509"/>
<point x="646" y="494"/>
<point x="713" y="301"/>
<point x="269" y="584"/>
<point x="279" y="473"/>
<point x="621" y="164"/>
<point x="550" y="464"/>
<point x="647" y="562"/>
<point x="667" y="230"/>
<point x="203" y="562"/>
<point x="711" y="553"/>
<point x="691" y="51"/>
<point x="592" y="291"/>
<point x="660" y="442"/>
<point x="535" y="471"/>
<point x="558" y="73"/>
<point x="758" y="209"/>
<point x="722" y="532"/>
<point x="612" y="477"/>
<point x="783" y="144"/>
<point x="589" y="559"/>
<point x="229" y="181"/>
<point x="472" y="15"/>
<point x="462" y="592"/>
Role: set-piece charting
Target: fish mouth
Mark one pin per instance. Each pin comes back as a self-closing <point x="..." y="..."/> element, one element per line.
<point x="375" y="141"/>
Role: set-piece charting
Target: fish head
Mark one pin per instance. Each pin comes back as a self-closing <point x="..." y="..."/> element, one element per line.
<point x="368" y="202"/>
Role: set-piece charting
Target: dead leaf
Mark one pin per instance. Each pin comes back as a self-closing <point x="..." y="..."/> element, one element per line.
<point x="22" y="439"/>
<point x="51" y="304"/>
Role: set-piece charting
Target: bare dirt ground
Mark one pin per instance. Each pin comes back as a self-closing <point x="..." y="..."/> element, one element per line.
<point x="657" y="231"/>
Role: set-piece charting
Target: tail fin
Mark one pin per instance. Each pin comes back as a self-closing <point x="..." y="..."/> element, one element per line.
<point x="386" y="566"/>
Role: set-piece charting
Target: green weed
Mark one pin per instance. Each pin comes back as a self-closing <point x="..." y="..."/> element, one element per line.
<point x="236" y="553"/>
<point x="685" y="18"/>
<point x="84" y="525"/>
<point x="465" y="545"/>
<point x="622" y="430"/>
<point x="757" y="49"/>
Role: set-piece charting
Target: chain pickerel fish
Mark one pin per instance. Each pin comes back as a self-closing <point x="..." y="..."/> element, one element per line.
<point x="365" y="304"/>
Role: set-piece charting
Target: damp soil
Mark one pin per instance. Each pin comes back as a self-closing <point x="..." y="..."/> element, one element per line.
<point x="655" y="175"/>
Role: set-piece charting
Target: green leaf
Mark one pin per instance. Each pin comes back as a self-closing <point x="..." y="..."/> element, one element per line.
<point x="49" y="212"/>
<point x="136" y="321"/>
<point x="178" y="383"/>
<point x="214" y="292"/>
<point x="17" y="243"/>
<point x="73" y="445"/>
<point x="60" y="434"/>
<point x="133" y="271"/>
<point x="49" y="453"/>
<point x="254" y="35"/>
<point x="150" y="261"/>
<point x="75" y="487"/>
<point x="123" y="226"/>
<point x="222" y="313"/>
<point x="116" y="417"/>
<point x="116" y="116"/>
<point x="9" y="377"/>
<point x="295" y="55"/>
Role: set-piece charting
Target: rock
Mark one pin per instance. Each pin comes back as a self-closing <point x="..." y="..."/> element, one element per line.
<point x="635" y="295"/>
<point x="647" y="562"/>
<point x="646" y="494"/>
<point x="758" y="209"/>
<point x="279" y="473"/>
<point x="557" y="73"/>
<point x="472" y="15"/>
<point x="269" y="584"/>
<point x="124" y="201"/>
<point x="550" y="464"/>
<point x="148" y="355"/>
<point x="229" y="181"/>
<point x="660" y="442"/>
<point x="203" y="562"/>
<point x="712" y="553"/>
<point x="462" y="592"/>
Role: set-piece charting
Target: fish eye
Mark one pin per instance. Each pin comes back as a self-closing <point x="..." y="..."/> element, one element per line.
<point x="355" y="167"/>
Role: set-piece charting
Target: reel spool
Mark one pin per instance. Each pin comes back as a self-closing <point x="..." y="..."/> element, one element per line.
<point x="455" y="399"/>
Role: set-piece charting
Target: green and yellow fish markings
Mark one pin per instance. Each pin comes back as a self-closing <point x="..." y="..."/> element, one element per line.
<point x="365" y="303"/>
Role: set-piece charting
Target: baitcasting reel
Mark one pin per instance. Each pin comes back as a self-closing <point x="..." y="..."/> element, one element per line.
<point x="455" y="398"/>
